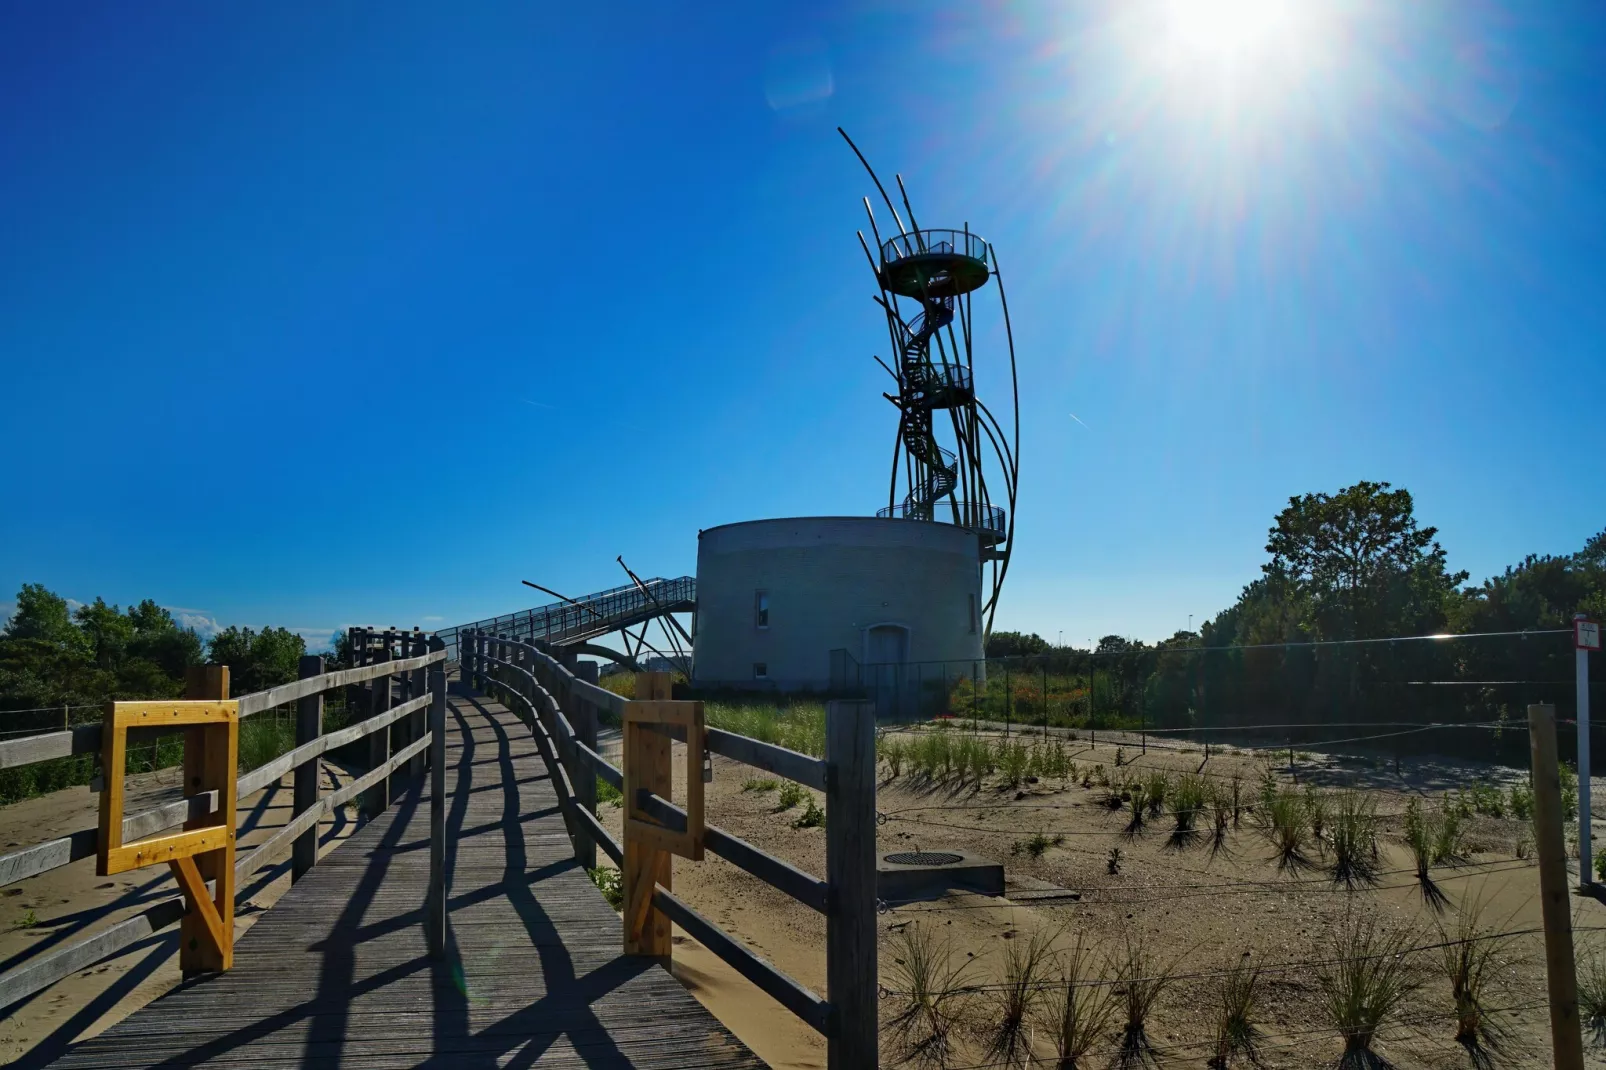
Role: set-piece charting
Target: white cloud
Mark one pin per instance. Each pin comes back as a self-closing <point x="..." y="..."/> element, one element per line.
<point x="206" y="627"/>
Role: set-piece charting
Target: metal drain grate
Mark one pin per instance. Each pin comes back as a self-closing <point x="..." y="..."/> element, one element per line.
<point x="924" y="858"/>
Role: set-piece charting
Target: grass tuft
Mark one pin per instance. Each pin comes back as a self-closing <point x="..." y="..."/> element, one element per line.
<point x="1354" y="840"/>
<point x="927" y="997"/>
<point x="1365" y="987"/>
<point x="607" y="793"/>
<point x="1141" y="978"/>
<point x="1592" y="993"/>
<point x="753" y="783"/>
<point x="1037" y="845"/>
<point x="1237" y="1037"/>
<point x="1084" y="1009"/>
<point x="1186" y="801"/>
<point x="1284" y="820"/>
<point x="1013" y="1003"/>
<point x="1470" y="959"/>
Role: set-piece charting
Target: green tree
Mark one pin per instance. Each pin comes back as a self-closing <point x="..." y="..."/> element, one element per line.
<point x="257" y="660"/>
<point x="1358" y="566"/>
<point x="1015" y="644"/>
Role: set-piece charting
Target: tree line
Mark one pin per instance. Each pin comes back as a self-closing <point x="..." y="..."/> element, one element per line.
<point x="54" y="657"/>
<point x="1307" y="642"/>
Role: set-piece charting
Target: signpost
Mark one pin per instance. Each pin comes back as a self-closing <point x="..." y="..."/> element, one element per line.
<point x="1586" y="637"/>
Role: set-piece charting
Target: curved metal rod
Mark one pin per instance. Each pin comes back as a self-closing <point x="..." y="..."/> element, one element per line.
<point x="907" y="207"/>
<point x="874" y="179"/>
<point x="875" y="230"/>
<point x="1009" y="335"/>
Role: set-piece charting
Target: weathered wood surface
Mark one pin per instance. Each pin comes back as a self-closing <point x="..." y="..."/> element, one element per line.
<point x="338" y="972"/>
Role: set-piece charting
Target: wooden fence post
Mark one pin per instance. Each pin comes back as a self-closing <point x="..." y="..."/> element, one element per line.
<point x="850" y="872"/>
<point x="377" y="798"/>
<point x="1566" y="1037"/>
<point x="420" y="718"/>
<point x="435" y="914"/>
<point x="204" y="765"/>
<point x="583" y="719"/>
<point x="309" y="726"/>
<point x="647" y="765"/>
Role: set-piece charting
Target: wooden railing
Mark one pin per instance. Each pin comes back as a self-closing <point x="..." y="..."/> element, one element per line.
<point x="562" y="712"/>
<point x="404" y="730"/>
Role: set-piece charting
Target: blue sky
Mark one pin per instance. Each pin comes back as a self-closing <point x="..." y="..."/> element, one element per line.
<point x="314" y="316"/>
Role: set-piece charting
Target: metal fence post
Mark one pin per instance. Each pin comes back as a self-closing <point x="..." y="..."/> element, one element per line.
<point x="1565" y="1034"/>
<point x="435" y="914"/>
<point x="850" y="867"/>
<point x="309" y="726"/>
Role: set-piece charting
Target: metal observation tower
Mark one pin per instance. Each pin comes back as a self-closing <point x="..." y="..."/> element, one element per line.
<point x="926" y="280"/>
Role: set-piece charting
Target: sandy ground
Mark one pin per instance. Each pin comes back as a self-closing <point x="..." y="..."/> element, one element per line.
<point x="67" y="903"/>
<point x="1199" y="912"/>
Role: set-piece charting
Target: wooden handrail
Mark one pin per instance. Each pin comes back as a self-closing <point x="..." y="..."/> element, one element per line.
<point x="85" y="738"/>
<point x="40" y="971"/>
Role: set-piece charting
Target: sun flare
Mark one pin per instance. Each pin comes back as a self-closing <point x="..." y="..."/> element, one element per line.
<point x="1233" y="30"/>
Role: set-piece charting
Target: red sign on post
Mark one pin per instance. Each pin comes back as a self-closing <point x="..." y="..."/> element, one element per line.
<point x="1586" y="635"/>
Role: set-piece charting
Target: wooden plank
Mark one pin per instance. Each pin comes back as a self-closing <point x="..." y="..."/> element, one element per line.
<point x="44" y="857"/>
<point x="285" y="694"/>
<point x="198" y="903"/>
<point x="850" y="870"/>
<point x="378" y="796"/>
<point x="777" y="985"/>
<point x="600" y="766"/>
<point x="43" y="970"/>
<point x="601" y="837"/>
<point x="767" y="756"/>
<point x="82" y="739"/>
<point x="210" y="764"/>
<point x="646" y="865"/>
<point x="173" y="712"/>
<point x="160" y="849"/>
<point x="113" y="769"/>
<point x="806" y="888"/>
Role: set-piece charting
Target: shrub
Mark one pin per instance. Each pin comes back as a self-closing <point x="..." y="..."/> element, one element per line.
<point x="610" y="884"/>
<point x="1366" y="984"/>
<point x="1521" y="802"/>
<point x="1450" y="833"/>
<point x="811" y="817"/>
<point x="1141" y="978"/>
<point x="927" y="995"/>
<point x="760" y="784"/>
<point x="1354" y="840"/>
<point x="1112" y="862"/>
<point x="1487" y="799"/>
<point x="1237" y="1036"/>
<point x="1009" y="1039"/>
<point x="1237" y="798"/>
<point x="1569" y="793"/>
<point x="607" y="793"/>
<point x="791" y="794"/>
<point x="1037" y="845"/>
<point x="1084" y="1007"/>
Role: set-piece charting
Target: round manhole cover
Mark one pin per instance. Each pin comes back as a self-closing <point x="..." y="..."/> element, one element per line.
<point x="924" y="858"/>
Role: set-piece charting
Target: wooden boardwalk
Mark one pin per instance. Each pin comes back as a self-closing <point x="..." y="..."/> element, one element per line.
<point x="337" y="974"/>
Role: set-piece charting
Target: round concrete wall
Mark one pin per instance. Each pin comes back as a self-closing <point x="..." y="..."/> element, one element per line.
<point x="776" y="597"/>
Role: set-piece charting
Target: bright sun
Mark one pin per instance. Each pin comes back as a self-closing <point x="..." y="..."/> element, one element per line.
<point x="1233" y="31"/>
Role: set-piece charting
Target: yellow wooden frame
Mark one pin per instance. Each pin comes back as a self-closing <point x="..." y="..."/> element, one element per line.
<point x="638" y="716"/>
<point x="211" y="745"/>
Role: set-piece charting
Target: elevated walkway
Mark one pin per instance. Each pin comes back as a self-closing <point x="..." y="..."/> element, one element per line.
<point x="573" y="622"/>
<point x="337" y="974"/>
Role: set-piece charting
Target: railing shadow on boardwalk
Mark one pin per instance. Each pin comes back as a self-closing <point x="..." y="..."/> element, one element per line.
<point x="460" y="1034"/>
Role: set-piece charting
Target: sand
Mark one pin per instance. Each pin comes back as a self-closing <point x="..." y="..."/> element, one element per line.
<point x="1199" y="912"/>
